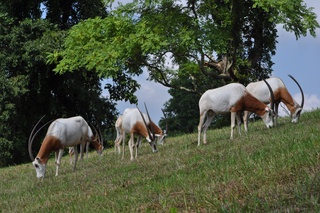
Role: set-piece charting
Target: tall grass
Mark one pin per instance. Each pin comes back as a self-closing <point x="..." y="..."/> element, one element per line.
<point x="267" y="170"/>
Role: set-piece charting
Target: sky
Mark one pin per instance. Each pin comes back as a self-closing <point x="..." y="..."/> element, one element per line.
<point x="296" y="57"/>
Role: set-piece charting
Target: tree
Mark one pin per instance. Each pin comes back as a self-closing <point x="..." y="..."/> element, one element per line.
<point x="228" y="40"/>
<point x="219" y="41"/>
<point x="31" y="89"/>
<point x="69" y="12"/>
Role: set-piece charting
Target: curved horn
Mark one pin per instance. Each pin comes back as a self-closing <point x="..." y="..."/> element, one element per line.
<point x="165" y="117"/>
<point x="100" y="136"/>
<point x="32" y="136"/>
<point x="271" y="95"/>
<point x="96" y="132"/>
<point x="145" y="123"/>
<point x="152" y="130"/>
<point x="302" y="95"/>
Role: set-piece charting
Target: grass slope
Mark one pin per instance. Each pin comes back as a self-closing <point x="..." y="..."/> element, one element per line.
<point x="268" y="170"/>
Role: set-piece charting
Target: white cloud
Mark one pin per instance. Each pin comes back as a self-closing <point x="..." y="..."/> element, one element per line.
<point x="311" y="102"/>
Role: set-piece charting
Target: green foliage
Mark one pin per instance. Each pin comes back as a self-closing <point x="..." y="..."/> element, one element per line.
<point x="65" y="14"/>
<point x="293" y="14"/>
<point x="267" y="170"/>
<point x="109" y="62"/>
<point x="20" y="10"/>
<point x="209" y="43"/>
<point x="29" y="87"/>
<point x="6" y="149"/>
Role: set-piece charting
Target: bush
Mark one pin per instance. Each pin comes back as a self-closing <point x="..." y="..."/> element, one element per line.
<point x="6" y="149"/>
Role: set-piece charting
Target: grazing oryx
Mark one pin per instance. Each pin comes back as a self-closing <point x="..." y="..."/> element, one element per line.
<point x="62" y="133"/>
<point x="137" y="123"/>
<point x="281" y="94"/>
<point x="118" y="140"/>
<point x="233" y="98"/>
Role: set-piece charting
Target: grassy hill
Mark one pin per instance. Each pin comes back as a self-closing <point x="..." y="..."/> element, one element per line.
<point x="268" y="170"/>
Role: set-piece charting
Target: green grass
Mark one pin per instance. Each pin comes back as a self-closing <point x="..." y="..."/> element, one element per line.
<point x="268" y="170"/>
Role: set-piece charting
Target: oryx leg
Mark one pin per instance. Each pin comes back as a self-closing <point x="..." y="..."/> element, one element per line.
<point x="276" y="107"/>
<point x="71" y="153"/>
<point x="209" y="115"/>
<point x="117" y="144"/>
<point x="131" y="145"/>
<point x="200" y="128"/>
<point x="82" y="145"/>
<point x="87" y="149"/>
<point x="76" y="154"/>
<point x="118" y="139"/>
<point x="246" y="119"/>
<point x="123" y="143"/>
<point x="233" y="123"/>
<point x="238" y="118"/>
<point x="138" y="144"/>
<point x="58" y="156"/>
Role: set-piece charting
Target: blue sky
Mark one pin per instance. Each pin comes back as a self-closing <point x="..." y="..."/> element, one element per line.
<point x="296" y="57"/>
<point x="300" y="59"/>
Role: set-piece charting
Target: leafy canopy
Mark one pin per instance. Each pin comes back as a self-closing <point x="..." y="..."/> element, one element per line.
<point x="226" y="40"/>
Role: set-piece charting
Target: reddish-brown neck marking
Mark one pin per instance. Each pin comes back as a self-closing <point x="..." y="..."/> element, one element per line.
<point x="250" y="103"/>
<point x="140" y="129"/>
<point x="49" y="144"/>
<point x="282" y="95"/>
<point x="155" y="128"/>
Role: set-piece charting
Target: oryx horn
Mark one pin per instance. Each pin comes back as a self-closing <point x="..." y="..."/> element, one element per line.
<point x="32" y="136"/>
<point x="145" y="123"/>
<point x="302" y="95"/>
<point x="151" y="127"/>
<point x="100" y="136"/>
<point x="97" y="134"/>
<point x="271" y="95"/>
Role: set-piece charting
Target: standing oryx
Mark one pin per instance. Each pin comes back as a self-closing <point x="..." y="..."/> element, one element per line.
<point x="62" y="133"/>
<point x="281" y="94"/>
<point x="233" y="98"/>
<point x="137" y="123"/>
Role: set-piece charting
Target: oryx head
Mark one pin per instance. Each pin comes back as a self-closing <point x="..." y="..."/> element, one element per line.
<point x="298" y="108"/>
<point x="37" y="162"/>
<point x="269" y="116"/>
<point x="97" y="141"/>
<point x="40" y="167"/>
<point x="151" y="138"/>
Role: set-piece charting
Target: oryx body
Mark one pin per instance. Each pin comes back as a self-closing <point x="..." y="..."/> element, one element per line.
<point x="233" y="98"/>
<point x="62" y="133"/>
<point x="281" y="94"/>
<point x="136" y="123"/>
